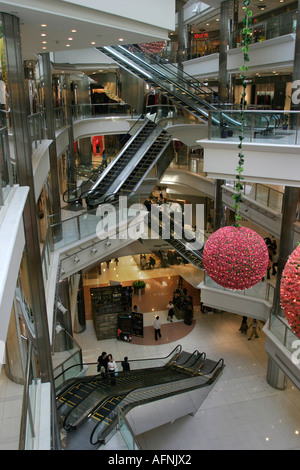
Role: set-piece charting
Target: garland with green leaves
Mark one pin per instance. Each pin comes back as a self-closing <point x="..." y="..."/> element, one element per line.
<point x="246" y="40"/>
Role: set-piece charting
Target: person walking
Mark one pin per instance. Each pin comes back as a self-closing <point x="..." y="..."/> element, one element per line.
<point x="254" y="325"/>
<point x="111" y="367"/>
<point x="170" y="308"/>
<point x="157" y="326"/>
<point x="125" y="364"/>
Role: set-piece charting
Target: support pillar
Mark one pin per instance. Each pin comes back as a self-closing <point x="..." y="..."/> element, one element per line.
<point x="54" y="195"/>
<point x="23" y="153"/>
<point x="182" y="35"/>
<point x="224" y="46"/>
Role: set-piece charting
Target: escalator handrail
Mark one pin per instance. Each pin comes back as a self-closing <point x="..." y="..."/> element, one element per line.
<point x="132" y="360"/>
<point x="150" y="152"/>
<point x="201" y="102"/>
<point x="190" y="356"/>
<point x="166" y="64"/>
<point x="116" y="160"/>
<point x="220" y="361"/>
<point x="93" y="410"/>
<point x="129" y="406"/>
<point x="142" y="117"/>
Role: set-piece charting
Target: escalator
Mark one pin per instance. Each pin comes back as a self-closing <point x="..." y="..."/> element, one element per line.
<point x="183" y="90"/>
<point x="168" y="228"/>
<point x="88" y="408"/>
<point x="125" y="174"/>
<point x="163" y="76"/>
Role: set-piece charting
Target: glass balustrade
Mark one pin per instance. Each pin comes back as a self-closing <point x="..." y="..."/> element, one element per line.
<point x="260" y="127"/>
<point x="262" y="290"/>
<point x="6" y="169"/>
<point x="265" y="195"/>
<point x="280" y="328"/>
<point x="37" y="128"/>
<point x="86" y="111"/>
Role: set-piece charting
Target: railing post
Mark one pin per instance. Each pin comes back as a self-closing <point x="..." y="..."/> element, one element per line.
<point x="209" y="126"/>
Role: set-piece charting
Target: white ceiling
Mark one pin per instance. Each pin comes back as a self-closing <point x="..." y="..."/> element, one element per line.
<point x="59" y="29"/>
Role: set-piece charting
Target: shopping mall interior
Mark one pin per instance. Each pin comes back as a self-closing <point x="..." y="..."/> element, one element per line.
<point x="125" y="134"/>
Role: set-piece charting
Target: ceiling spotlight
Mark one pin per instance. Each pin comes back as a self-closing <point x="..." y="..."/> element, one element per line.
<point x="60" y="307"/>
<point x="76" y="259"/>
<point x="94" y="250"/>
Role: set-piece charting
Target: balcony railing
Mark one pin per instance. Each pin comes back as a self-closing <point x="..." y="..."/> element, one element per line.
<point x="272" y="127"/>
<point x="262" y="290"/>
<point x="86" y="111"/>
<point x="6" y="169"/>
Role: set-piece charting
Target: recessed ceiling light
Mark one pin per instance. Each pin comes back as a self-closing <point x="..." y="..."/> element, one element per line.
<point x="70" y="39"/>
<point x="217" y="19"/>
<point x="43" y="34"/>
<point x="43" y="25"/>
<point x="44" y="42"/>
<point x="207" y="24"/>
<point x="44" y="47"/>
<point x="121" y="39"/>
<point x="68" y="45"/>
<point x="73" y="30"/>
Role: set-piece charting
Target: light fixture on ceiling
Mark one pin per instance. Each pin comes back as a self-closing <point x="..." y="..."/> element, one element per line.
<point x="120" y="39"/>
<point x="93" y="42"/>
<point x="76" y="259"/>
<point x="43" y="34"/>
<point x="43" y="25"/>
<point x="94" y="250"/>
<point x="73" y="30"/>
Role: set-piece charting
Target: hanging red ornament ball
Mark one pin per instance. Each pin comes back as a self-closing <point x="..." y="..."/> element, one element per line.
<point x="235" y="257"/>
<point x="290" y="291"/>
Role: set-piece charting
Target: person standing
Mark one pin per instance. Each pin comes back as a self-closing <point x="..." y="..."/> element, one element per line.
<point x="104" y="159"/>
<point x="157" y="326"/>
<point x="254" y="325"/>
<point x="244" y="326"/>
<point x="102" y="365"/>
<point x="111" y="367"/>
<point x="125" y="364"/>
<point x="170" y="308"/>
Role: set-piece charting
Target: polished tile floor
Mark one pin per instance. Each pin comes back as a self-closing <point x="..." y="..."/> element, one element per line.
<point x="241" y="412"/>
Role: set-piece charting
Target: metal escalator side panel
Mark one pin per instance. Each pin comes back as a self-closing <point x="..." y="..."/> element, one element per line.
<point x="116" y="160"/>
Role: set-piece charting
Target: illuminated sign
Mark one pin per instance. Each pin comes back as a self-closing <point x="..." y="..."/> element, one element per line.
<point x="200" y="35"/>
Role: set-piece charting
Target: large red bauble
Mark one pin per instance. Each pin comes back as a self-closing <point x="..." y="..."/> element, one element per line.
<point x="290" y="291"/>
<point x="235" y="257"/>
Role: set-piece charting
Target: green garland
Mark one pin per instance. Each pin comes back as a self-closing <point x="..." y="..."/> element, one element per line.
<point x="246" y="40"/>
